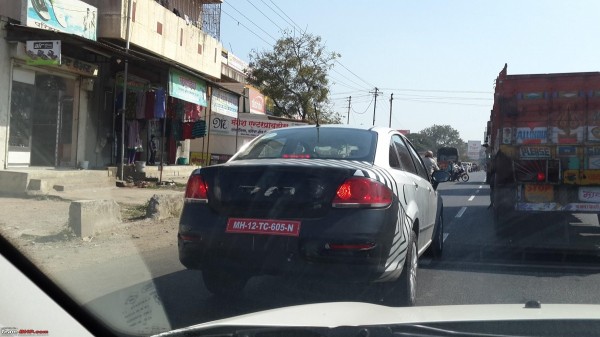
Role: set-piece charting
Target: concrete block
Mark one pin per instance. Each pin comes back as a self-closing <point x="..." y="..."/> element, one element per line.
<point x="164" y="206"/>
<point x="88" y="217"/>
<point x="13" y="183"/>
<point x="37" y="187"/>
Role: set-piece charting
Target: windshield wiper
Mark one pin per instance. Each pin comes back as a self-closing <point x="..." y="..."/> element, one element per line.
<point x="413" y="330"/>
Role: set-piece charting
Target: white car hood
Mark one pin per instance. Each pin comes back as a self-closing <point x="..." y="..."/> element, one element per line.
<point x="336" y="314"/>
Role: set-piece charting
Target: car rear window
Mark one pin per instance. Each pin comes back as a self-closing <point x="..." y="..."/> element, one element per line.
<point x="313" y="143"/>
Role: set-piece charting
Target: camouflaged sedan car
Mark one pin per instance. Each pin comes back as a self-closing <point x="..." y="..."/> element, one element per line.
<point x="352" y="204"/>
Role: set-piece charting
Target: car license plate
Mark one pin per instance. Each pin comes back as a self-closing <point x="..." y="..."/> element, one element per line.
<point x="539" y="193"/>
<point x="263" y="226"/>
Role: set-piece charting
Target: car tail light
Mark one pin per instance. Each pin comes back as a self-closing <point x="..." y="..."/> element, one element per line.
<point x="196" y="188"/>
<point x="362" y="192"/>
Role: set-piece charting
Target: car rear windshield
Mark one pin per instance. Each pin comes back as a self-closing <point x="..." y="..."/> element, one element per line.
<point x="313" y="143"/>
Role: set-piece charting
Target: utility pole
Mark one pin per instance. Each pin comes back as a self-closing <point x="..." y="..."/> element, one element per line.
<point x="376" y="93"/>
<point x="349" y="102"/>
<point x="391" y="99"/>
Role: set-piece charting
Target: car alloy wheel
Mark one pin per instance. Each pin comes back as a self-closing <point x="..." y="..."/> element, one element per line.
<point x="437" y="244"/>
<point x="408" y="279"/>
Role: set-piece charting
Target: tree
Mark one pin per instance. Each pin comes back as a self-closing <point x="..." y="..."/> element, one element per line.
<point x="421" y="142"/>
<point x="295" y="76"/>
<point x="436" y="136"/>
<point x="443" y="136"/>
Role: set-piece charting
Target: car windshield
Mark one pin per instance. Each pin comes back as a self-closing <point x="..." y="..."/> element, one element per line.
<point x="322" y="143"/>
<point x="171" y="163"/>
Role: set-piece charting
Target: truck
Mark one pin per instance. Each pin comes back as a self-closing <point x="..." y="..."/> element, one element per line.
<point x="543" y="144"/>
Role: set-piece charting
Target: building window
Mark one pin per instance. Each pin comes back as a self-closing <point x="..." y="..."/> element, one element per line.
<point x="159" y="28"/>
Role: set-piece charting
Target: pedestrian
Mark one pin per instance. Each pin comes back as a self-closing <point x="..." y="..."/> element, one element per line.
<point x="153" y="147"/>
<point x="430" y="163"/>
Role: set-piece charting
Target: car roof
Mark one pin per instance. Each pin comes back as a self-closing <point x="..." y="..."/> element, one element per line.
<point x="378" y="129"/>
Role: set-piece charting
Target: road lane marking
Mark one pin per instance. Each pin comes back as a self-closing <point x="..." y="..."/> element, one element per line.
<point x="471" y="198"/>
<point x="445" y="237"/>
<point x="461" y="212"/>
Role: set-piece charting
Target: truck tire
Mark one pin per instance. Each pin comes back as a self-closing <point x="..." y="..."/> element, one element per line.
<point x="502" y="210"/>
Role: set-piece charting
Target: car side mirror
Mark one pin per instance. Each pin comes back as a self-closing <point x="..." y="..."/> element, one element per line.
<point x="439" y="176"/>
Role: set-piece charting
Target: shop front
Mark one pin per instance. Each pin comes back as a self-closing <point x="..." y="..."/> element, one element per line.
<point x="48" y="107"/>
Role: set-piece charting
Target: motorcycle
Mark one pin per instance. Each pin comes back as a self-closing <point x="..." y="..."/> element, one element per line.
<point x="460" y="175"/>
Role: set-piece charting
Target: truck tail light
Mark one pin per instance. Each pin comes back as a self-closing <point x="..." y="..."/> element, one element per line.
<point x="357" y="192"/>
<point x="541" y="176"/>
<point x="196" y="188"/>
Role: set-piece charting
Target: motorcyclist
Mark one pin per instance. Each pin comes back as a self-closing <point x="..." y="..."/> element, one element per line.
<point x="430" y="162"/>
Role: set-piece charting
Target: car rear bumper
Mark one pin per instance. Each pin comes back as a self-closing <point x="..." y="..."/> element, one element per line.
<point x="347" y="244"/>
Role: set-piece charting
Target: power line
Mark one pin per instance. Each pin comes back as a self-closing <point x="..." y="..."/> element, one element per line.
<point x="337" y="72"/>
<point x="252" y="22"/>
<point x="448" y="97"/>
<point x="350" y="71"/>
<point x="266" y="16"/>
<point x="348" y="92"/>
<point x="354" y="97"/>
<point x="362" y="113"/>
<point x="432" y="90"/>
<point x="274" y="11"/>
<point x="440" y="102"/>
<point x="243" y="25"/>
<point x="337" y="81"/>
<point x="299" y="28"/>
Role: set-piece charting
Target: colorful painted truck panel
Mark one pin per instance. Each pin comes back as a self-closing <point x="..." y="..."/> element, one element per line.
<point x="543" y="141"/>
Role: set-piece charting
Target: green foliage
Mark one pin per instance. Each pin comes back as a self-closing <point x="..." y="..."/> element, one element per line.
<point x="436" y="136"/>
<point x="295" y="76"/>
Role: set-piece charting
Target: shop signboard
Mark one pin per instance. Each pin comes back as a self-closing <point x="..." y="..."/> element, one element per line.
<point x="43" y="52"/>
<point x="224" y="103"/>
<point x="67" y="16"/>
<point x="245" y="127"/>
<point x="257" y="102"/>
<point x="187" y="88"/>
<point x="473" y="149"/>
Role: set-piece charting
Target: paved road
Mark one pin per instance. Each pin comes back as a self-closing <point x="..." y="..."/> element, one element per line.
<point x="534" y="260"/>
<point x="549" y="258"/>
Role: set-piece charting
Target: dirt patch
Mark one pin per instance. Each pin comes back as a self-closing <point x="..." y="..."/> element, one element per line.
<point x="39" y="228"/>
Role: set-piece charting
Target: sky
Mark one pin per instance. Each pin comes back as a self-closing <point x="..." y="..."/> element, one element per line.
<point x="439" y="59"/>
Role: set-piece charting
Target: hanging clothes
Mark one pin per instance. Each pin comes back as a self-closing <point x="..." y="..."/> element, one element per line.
<point x="171" y="107"/>
<point x="176" y="130"/>
<point x="133" y="135"/>
<point x="140" y="108"/>
<point x="186" y="132"/>
<point x="150" y="101"/>
<point x="130" y="105"/>
<point x="160" y="104"/>
<point x="192" y="112"/>
<point x="199" y="129"/>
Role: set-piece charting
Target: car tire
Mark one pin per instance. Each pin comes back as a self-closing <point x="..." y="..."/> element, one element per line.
<point x="465" y="177"/>
<point x="403" y="292"/>
<point x="437" y="243"/>
<point x="224" y="283"/>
